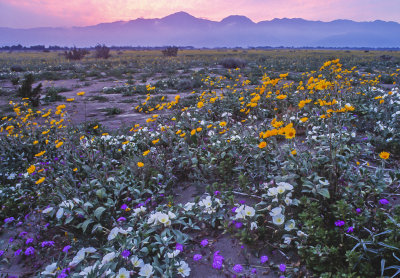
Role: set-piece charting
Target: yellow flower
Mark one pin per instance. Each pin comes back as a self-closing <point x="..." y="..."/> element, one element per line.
<point x="384" y="155"/>
<point x="199" y="129"/>
<point x="200" y="104"/>
<point x="40" y="180"/>
<point x="31" y="169"/>
<point x="303" y="119"/>
<point x="179" y="131"/>
<point x="155" y="141"/>
<point x="262" y="145"/>
<point x="222" y="124"/>
<point x="140" y="164"/>
<point x="40" y="154"/>
<point x="80" y="93"/>
<point x="96" y="127"/>
<point x="209" y="126"/>
<point x="59" y="144"/>
<point x="290" y="133"/>
<point x="281" y="97"/>
<point x="70" y="99"/>
<point x="146" y="152"/>
<point x="294" y="152"/>
<point x="35" y="142"/>
<point x="193" y="132"/>
<point x="45" y="132"/>
<point x="183" y="134"/>
<point x="75" y="169"/>
<point x="124" y="143"/>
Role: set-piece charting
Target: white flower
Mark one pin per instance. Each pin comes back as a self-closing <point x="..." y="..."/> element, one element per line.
<point x="278" y="219"/>
<point x="183" y="269"/>
<point x="249" y="211"/>
<point x="276" y="211"/>
<point x="280" y="189"/>
<point x="123" y="273"/>
<point x="287" y="240"/>
<point x="171" y="215"/>
<point x="188" y="206"/>
<point x="173" y="254"/>
<point x="113" y="233"/>
<point x="288" y="201"/>
<point x="47" y="210"/>
<point x="206" y="202"/>
<point x="253" y="226"/>
<point x="136" y="262"/>
<point x="146" y="270"/>
<point x="60" y="213"/>
<point x="50" y="269"/>
<point x="87" y="270"/>
<point x="272" y="191"/>
<point x="80" y="256"/>
<point x="163" y="219"/>
<point x="89" y="250"/>
<point x="108" y="258"/>
<point x="139" y="210"/>
<point x="290" y="225"/>
<point x="286" y="185"/>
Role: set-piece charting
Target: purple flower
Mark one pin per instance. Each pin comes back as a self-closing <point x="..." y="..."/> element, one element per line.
<point x="179" y="247"/>
<point x="234" y="209"/>
<point x="29" y="240"/>
<point x="204" y="242"/>
<point x="242" y="201"/>
<point x="62" y="275"/>
<point x="350" y="229"/>
<point x="238" y="268"/>
<point x="253" y="270"/>
<point x="383" y="201"/>
<point x="238" y="225"/>
<point x="9" y="220"/>
<point x="264" y="259"/>
<point x="124" y="206"/>
<point x="197" y="257"/>
<point x="339" y="223"/>
<point x="125" y="253"/>
<point x="282" y="267"/>
<point x="66" y="248"/>
<point x="22" y="234"/>
<point x="30" y="251"/>
<point x="18" y="252"/>
<point x="47" y="243"/>
<point x="121" y="219"/>
<point x="1" y="252"/>
<point x="358" y="210"/>
<point x="216" y="192"/>
<point x="10" y="240"/>
<point x="218" y="260"/>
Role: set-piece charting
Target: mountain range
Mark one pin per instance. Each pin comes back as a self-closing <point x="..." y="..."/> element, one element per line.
<point x="233" y="31"/>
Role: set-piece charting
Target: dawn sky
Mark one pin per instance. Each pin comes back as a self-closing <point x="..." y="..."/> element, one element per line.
<point x="55" y="13"/>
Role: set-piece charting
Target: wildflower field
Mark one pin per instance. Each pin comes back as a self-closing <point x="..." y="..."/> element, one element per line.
<point x="229" y="163"/>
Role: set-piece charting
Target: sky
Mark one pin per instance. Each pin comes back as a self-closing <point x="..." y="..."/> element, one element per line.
<point x="67" y="13"/>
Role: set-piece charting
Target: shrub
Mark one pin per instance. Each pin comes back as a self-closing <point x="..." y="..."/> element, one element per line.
<point x="170" y="51"/>
<point x="232" y="63"/>
<point x="102" y="51"/>
<point x="75" y="53"/>
<point x="25" y="90"/>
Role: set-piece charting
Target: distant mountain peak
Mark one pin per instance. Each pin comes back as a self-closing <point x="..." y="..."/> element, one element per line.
<point x="237" y="19"/>
<point x="179" y="15"/>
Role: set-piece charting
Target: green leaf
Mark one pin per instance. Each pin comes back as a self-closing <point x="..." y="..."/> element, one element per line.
<point x="86" y="224"/>
<point x="324" y="192"/>
<point x="98" y="212"/>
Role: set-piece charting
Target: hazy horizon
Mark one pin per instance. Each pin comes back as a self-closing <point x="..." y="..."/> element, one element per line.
<point x="79" y="13"/>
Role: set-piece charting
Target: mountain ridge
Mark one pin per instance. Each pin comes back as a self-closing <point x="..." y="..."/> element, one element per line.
<point x="182" y="28"/>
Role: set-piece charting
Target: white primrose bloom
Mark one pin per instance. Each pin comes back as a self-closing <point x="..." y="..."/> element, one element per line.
<point x="139" y="210"/>
<point x="117" y="230"/>
<point x="287" y="240"/>
<point x="288" y="201"/>
<point x="60" y="213"/>
<point x="286" y="185"/>
<point x="50" y="269"/>
<point x="164" y="219"/>
<point x="188" y="206"/>
<point x="123" y="273"/>
<point x="80" y="256"/>
<point x="290" y="225"/>
<point x="47" y="210"/>
<point x="278" y="219"/>
<point x="276" y="211"/>
<point x="146" y="270"/>
<point x="108" y="258"/>
<point x="171" y="215"/>
<point x="136" y="262"/>
<point x="207" y="202"/>
<point x="280" y="189"/>
<point x="183" y="269"/>
<point x="253" y="226"/>
<point x="87" y="270"/>
<point x="244" y="211"/>
<point x="173" y="254"/>
<point x="272" y="192"/>
<point x="249" y="211"/>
